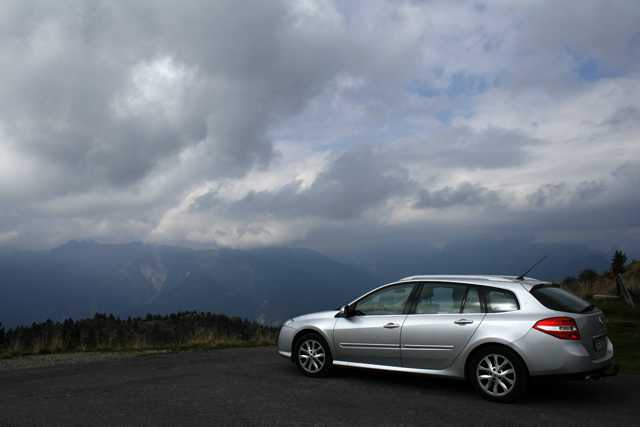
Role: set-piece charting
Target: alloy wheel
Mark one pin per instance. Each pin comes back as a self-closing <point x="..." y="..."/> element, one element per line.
<point x="496" y="375"/>
<point x="311" y="356"/>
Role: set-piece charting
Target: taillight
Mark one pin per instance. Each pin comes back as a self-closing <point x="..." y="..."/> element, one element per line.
<point x="564" y="328"/>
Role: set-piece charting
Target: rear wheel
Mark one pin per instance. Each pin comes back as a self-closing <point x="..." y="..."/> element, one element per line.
<point x="498" y="374"/>
<point x="312" y="356"/>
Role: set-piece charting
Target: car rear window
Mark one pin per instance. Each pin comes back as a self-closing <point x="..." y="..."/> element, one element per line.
<point x="555" y="298"/>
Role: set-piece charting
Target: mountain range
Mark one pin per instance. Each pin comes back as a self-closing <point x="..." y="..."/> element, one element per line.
<point x="511" y="257"/>
<point x="268" y="285"/>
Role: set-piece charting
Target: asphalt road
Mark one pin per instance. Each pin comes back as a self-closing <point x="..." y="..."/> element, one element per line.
<point x="256" y="386"/>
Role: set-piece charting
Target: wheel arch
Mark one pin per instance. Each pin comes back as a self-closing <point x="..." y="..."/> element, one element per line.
<point x="302" y="332"/>
<point x="481" y="347"/>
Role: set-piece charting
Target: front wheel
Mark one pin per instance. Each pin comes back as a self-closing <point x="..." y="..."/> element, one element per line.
<point x="498" y="374"/>
<point x="312" y="356"/>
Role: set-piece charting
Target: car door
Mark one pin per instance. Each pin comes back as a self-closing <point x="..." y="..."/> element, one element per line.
<point x="371" y="334"/>
<point x="445" y="317"/>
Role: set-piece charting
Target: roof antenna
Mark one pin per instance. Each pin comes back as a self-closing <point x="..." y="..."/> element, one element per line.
<point x="521" y="278"/>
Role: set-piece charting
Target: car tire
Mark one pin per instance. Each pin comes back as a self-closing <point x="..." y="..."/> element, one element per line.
<point x="312" y="356"/>
<point x="498" y="374"/>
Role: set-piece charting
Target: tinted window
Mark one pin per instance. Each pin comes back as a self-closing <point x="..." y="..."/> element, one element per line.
<point x="558" y="299"/>
<point x="472" y="302"/>
<point x="439" y="298"/>
<point x="499" y="300"/>
<point x="389" y="300"/>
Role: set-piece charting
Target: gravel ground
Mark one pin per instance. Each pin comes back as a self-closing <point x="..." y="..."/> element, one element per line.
<point x="44" y="360"/>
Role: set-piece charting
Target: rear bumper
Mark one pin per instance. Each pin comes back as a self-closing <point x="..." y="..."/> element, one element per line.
<point x="547" y="357"/>
<point x="595" y="374"/>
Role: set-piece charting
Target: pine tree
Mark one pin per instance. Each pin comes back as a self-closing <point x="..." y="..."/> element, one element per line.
<point x="618" y="262"/>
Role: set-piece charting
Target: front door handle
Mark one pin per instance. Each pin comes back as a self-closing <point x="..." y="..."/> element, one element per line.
<point x="463" y="322"/>
<point x="391" y="326"/>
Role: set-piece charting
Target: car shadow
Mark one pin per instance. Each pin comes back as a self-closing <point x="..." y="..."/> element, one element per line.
<point x="409" y="383"/>
<point x="570" y="393"/>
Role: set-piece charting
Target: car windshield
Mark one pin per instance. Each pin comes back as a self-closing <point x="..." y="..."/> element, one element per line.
<point x="558" y="299"/>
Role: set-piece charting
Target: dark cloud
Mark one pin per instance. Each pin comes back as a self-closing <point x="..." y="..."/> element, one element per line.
<point x="467" y="194"/>
<point x="548" y="193"/>
<point x="355" y="181"/>
<point x="588" y="190"/>
<point x="559" y="193"/>
<point x="629" y="172"/>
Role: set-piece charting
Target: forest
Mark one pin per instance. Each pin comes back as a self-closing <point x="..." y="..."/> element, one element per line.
<point x="179" y="331"/>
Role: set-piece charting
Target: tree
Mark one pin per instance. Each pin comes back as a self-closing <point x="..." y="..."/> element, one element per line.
<point x="588" y="278"/>
<point x="570" y="282"/>
<point x="92" y="337"/>
<point x="618" y="262"/>
<point x="76" y="335"/>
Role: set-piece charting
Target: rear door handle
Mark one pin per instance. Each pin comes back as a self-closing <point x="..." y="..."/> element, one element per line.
<point x="463" y="322"/>
<point x="391" y="326"/>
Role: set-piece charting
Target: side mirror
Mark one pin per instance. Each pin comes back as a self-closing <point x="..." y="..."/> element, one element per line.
<point x="343" y="311"/>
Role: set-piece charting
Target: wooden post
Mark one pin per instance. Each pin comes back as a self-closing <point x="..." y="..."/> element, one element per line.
<point x="624" y="290"/>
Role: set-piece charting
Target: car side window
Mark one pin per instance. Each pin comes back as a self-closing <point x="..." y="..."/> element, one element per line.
<point x="440" y="298"/>
<point x="500" y="300"/>
<point x="391" y="300"/>
<point x="472" y="302"/>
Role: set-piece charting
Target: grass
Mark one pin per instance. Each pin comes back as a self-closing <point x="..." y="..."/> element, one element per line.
<point x="623" y="321"/>
<point x="623" y="327"/>
<point x="204" y="342"/>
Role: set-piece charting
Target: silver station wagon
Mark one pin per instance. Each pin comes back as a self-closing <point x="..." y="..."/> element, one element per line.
<point x="499" y="332"/>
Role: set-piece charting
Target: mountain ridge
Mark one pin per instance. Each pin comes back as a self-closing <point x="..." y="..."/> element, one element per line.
<point x="79" y="279"/>
<point x="268" y="285"/>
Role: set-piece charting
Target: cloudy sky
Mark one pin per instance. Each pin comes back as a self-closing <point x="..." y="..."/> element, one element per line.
<point x="319" y="123"/>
